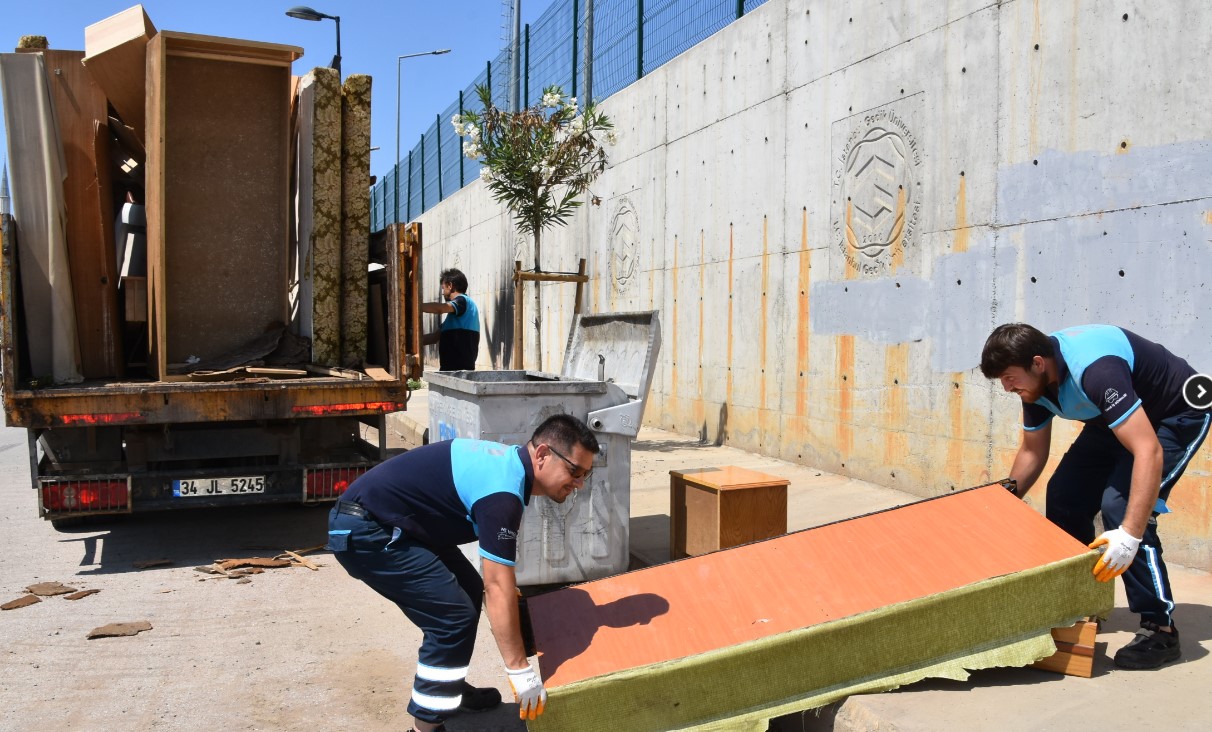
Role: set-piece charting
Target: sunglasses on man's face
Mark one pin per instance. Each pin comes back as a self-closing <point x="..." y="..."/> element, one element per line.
<point x="576" y="471"/>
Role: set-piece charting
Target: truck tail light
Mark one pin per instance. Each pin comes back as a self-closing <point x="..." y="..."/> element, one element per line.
<point x="325" y="483"/>
<point x="76" y="496"/>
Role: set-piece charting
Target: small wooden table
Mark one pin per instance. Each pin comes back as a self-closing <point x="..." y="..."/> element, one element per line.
<point x="716" y="508"/>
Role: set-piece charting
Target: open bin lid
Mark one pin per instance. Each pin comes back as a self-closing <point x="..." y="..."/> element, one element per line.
<point x="628" y="342"/>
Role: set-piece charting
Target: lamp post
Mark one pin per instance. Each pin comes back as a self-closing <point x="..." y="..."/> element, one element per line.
<point x="439" y="52"/>
<point x="302" y="12"/>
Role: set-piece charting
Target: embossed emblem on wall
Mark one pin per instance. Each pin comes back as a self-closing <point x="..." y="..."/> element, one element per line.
<point x="624" y="244"/>
<point x="877" y="191"/>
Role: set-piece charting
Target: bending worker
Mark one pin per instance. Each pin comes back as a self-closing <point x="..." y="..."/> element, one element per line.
<point x="458" y="337"/>
<point x="398" y="528"/>
<point x="1139" y="435"/>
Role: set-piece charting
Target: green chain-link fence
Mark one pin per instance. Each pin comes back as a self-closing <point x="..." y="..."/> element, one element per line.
<point x="630" y="39"/>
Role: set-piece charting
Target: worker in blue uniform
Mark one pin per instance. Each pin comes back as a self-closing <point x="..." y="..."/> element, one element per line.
<point x="458" y="337"/>
<point x="398" y="528"/>
<point x="1139" y="435"/>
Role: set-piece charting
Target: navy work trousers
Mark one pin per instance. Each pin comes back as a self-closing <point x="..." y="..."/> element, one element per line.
<point x="436" y="588"/>
<point x="1096" y="474"/>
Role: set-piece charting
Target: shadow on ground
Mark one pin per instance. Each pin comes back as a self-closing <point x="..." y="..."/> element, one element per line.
<point x="196" y="536"/>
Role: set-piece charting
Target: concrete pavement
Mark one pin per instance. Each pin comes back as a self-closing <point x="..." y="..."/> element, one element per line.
<point x="1172" y="698"/>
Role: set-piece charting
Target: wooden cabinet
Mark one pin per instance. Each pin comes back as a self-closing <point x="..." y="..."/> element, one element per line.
<point x="716" y="508"/>
<point x="218" y="193"/>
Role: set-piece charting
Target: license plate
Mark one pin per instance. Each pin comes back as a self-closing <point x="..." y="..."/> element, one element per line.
<point x="202" y="487"/>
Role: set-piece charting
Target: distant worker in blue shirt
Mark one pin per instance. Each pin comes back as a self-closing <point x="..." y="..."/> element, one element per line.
<point x="398" y="528"/>
<point x="1138" y="437"/>
<point x="458" y="337"/>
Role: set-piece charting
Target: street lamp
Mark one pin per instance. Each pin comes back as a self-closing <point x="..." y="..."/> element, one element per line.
<point x="302" y="12"/>
<point x="397" y="164"/>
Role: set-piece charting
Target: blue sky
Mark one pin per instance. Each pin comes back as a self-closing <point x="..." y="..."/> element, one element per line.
<point x="373" y="34"/>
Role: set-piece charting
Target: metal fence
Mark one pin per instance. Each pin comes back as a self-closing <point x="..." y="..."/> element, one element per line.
<point x="630" y="39"/>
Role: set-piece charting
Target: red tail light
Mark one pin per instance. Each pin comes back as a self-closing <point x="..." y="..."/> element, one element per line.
<point x="330" y="482"/>
<point x="86" y="495"/>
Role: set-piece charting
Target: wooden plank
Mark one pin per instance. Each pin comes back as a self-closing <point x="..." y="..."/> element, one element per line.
<point x="1074" y="650"/>
<point x="412" y="285"/>
<point x="378" y="374"/>
<point x="518" y="293"/>
<point x="79" y="104"/>
<point x="233" y="48"/>
<point x="1081" y="633"/>
<point x="154" y="184"/>
<point x="549" y="277"/>
<point x="1070" y="664"/>
<point x="115" y="54"/>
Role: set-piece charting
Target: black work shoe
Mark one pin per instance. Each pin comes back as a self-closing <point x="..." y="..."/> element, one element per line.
<point x="476" y="699"/>
<point x="1151" y="647"/>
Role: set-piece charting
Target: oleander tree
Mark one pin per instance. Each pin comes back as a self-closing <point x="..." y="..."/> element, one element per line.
<point x="538" y="162"/>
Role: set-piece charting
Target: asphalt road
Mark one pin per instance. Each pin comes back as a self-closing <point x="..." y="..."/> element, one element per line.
<point x="292" y="649"/>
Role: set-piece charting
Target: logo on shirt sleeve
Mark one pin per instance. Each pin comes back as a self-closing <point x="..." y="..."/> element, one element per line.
<point x="507" y="535"/>
<point x="1111" y="397"/>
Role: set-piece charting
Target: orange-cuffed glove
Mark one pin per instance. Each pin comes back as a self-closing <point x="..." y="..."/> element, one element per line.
<point x="528" y="691"/>
<point x="1119" y="549"/>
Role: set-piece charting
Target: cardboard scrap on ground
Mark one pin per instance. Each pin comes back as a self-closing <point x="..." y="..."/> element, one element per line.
<point x="49" y="589"/>
<point x="237" y="568"/>
<point x="81" y="594"/>
<point x="230" y="564"/>
<point x="117" y="630"/>
<point x="25" y="601"/>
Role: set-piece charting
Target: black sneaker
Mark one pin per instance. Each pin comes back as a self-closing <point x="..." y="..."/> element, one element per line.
<point x="1151" y="647"/>
<point x="476" y="699"/>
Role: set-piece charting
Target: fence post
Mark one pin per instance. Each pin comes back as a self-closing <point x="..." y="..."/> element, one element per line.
<point x="740" y="8"/>
<point x="574" y="47"/>
<point x="490" y="81"/>
<point x="639" y="39"/>
<point x="441" y="193"/>
<point x="458" y="147"/>
<point x="422" y="175"/>
<point x="408" y="203"/>
<point x="526" y="75"/>
<point x="588" y="52"/>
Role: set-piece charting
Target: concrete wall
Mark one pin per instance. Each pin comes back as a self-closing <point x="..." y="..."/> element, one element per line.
<point x="1039" y="161"/>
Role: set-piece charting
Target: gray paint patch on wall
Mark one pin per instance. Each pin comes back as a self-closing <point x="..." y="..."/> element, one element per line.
<point x="961" y="315"/>
<point x="1162" y="294"/>
<point x="887" y="310"/>
<point x="1059" y="184"/>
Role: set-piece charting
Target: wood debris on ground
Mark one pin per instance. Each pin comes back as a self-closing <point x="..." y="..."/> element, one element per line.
<point x="24" y="601"/>
<point x="49" y="589"/>
<point x="81" y="594"/>
<point x="240" y="568"/>
<point x="116" y="630"/>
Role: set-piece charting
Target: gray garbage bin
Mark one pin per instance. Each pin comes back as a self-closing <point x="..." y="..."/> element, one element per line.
<point x="604" y="381"/>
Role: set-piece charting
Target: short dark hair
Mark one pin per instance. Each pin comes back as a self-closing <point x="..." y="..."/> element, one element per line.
<point x="455" y="279"/>
<point x="563" y="431"/>
<point x="1013" y="344"/>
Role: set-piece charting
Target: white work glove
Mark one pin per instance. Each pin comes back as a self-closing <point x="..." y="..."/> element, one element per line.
<point x="528" y="692"/>
<point x="1118" y="552"/>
